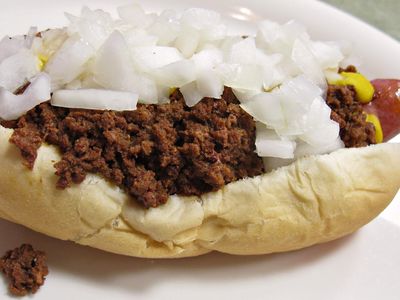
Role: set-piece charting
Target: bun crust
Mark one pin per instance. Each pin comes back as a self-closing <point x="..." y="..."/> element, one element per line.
<point x="314" y="200"/>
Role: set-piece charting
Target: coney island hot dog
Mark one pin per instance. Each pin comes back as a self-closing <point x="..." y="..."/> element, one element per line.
<point x="171" y="138"/>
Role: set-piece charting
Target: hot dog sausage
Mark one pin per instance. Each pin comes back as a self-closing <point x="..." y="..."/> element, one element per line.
<point x="386" y="106"/>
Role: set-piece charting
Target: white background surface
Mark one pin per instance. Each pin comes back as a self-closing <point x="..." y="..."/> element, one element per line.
<point x="364" y="266"/>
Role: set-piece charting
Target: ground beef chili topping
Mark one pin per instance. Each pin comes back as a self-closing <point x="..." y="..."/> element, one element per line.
<point x="152" y="152"/>
<point x="25" y="268"/>
<point x="159" y="150"/>
<point x="355" y="131"/>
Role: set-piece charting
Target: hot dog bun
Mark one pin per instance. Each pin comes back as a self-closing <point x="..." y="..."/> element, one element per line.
<point x="314" y="200"/>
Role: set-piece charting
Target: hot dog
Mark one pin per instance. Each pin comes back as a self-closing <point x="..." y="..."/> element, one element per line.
<point x="386" y="106"/>
<point x="184" y="176"/>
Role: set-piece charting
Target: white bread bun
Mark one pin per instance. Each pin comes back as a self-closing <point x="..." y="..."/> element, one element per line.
<point x="314" y="200"/>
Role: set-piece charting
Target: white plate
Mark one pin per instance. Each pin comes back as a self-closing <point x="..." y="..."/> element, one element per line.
<point x="364" y="266"/>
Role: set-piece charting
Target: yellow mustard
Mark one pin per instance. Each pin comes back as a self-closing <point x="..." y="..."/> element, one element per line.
<point x="42" y="61"/>
<point x="364" y="89"/>
<point x="371" y="118"/>
<point x="172" y="90"/>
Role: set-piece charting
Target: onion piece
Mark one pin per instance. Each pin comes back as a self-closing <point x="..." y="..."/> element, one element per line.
<point x="68" y="62"/>
<point x="244" y="95"/>
<point x="280" y="38"/>
<point x="243" y="52"/>
<point x="52" y="41"/>
<point x="135" y="15"/>
<point x="30" y="37"/>
<point x="10" y="46"/>
<point x="137" y="37"/>
<point x="200" y="18"/>
<point x="268" y="143"/>
<point x="269" y="33"/>
<point x="323" y="135"/>
<point x="266" y="108"/>
<point x="191" y="94"/>
<point x="98" y="99"/>
<point x="248" y="77"/>
<point x="13" y="106"/>
<point x="207" y="59"/>
<point x="213" y="34"/>
<point x="148" y="58"/>
<point x="147" y="90"/>
<point x="114" y="70"/>
<point x="328" y="54"/>
<point x="275" y="148"/>
<point x="307" y="63"/>
<point x="17" y="69"/>
<point x="297" y="96"/>
<point x="176" y="74"/>
<point x="304" y="149"/>
<point x="206" y="22"/>
<point x="210" y="84"/>
<point x="332" y="75"/>
<point x="187" y="41"/>
<point x="93" y="26"/>
<point x="166" y="27"/>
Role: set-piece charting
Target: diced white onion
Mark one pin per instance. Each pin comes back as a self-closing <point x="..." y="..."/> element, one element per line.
<point x="297" y="96"/>
<point x="304" y="149"/>
<point x="244" y="52"/>
<point x="307" y="63"/>
<point x="328" y="55"/>
<point x="147" y="90"/>
<point x="213" y="34"/>
<point x="187" y="41"/>
<point x="165" y="28"/>
<point x="275" y="148"/>
<point x="322" y="135"/>
<point x="52" y="40"/>
<point x="93" y="26"/>
<point x="279" y="76"/>
<point x="74" y="85"/>
<point x="10" y="46"/>
<point x="248" y="77"/>
<point x="13" y="106"/>
<point x="114" y="70"/>
<point x="332" y="75"/>
<point x="207" y="59"/>
<point x="200" y="18"/>
<point x="30" y="37"/>
<point x="210" y="84"/>
<point x="176" y="74"/>
<point x="68" y="62"/>
<point x="191" y="94"/>
<point x="135" y="15"/>
<point x="269" y="144"/>
<point x="98" y="99"/>
<point x="149" y="58"/>
<point x="17" y="69"/>
<point x="139" y="38"/>
<point x="244" y="95"/>
<point x="266" y="108"/>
